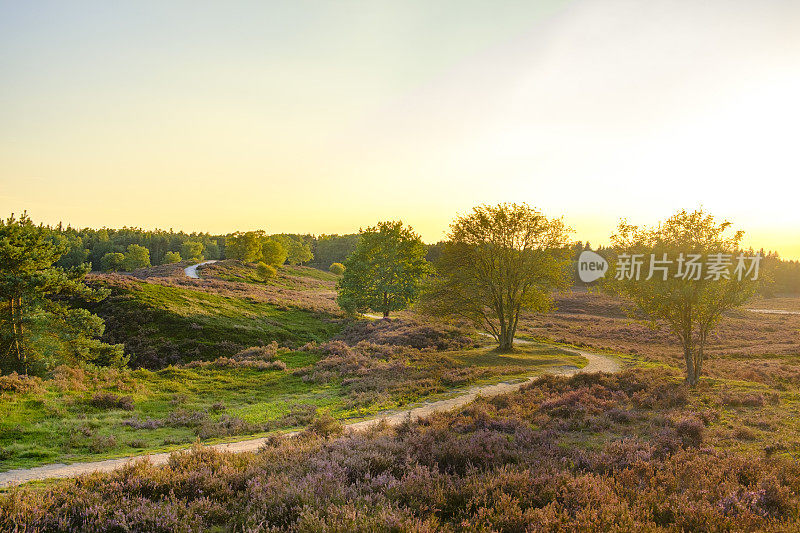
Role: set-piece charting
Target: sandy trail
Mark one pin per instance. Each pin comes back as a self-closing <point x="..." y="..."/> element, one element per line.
<point x="191" y="271"/>
<point x="596" y="363"/>
<point x="774" y="311"/>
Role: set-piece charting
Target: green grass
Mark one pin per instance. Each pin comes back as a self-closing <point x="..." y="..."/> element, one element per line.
<point x="161" y="320"/>
<point x="288" y="276"/>
<point x="61" y="425"/>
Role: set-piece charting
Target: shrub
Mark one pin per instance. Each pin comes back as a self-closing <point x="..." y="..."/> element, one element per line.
<point x="690" y="430"/>
<point x="336" y="268"/>
<point x="136" y="257"/>
<point x="172" y="257"/>
<point x="109" y="400"/>
<point x="14" y="382"/>
<point x="112" y="262"/>
<point x="265" y="271"/>
<point x="399" y="332"/>
<point x="100" y="444"/>
<point x="147" y="423"/>
<point x="226" y="426"/>
<point x="325" y="426"/>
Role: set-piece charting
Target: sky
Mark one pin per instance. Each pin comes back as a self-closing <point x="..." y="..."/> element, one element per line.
<point x="324" y="117"/>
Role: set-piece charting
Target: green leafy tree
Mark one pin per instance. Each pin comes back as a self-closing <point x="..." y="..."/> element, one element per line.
<point x="499" y="261"/>
<point x="273" y="252"/>
<point x="38" y="330"/>
<point x="385" y="271"/>
<point x="192" y="250"/>
<point x="212" y="250"/>
<point x="245" y="247"/>
<point x="265" y="271"/>
<point x="136" y="257"/>
<point x="76" y="254"/>
<point x="172" y="257"/>
<point x="113" y="262"/>
<point x="337" y="268"/>
<point x="669" y="295"/>
<point x="298" y="251"/>
<point x="330" y="249"/>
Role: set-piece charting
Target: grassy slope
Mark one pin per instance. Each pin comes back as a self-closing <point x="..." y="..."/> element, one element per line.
<point x="171" y="320"/>
<point x="288" y="276"/>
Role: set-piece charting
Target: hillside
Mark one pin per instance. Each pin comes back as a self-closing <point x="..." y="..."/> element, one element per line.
<point x="162" y="317"/>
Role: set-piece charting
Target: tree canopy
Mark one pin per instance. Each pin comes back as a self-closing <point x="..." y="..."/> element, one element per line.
<point x="385" y="271"/>
<point x="38" y="329"/>
<point x="191" y="250"/>
<point x="499" y="260"/>
<point x="670" y="288"/>
<point x="136" y="257"/>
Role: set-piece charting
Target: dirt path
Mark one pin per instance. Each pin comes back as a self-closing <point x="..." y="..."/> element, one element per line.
<point x="191" y="271"/>
<point x="596" y="363"/>
<point x="774" y="311"/>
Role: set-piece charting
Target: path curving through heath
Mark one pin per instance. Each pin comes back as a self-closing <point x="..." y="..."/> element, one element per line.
<point x="596" y="363"/>
<point x="191" y="271"/>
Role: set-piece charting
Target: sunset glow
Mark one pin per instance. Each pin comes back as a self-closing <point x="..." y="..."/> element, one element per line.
<point x="326" y="117"/>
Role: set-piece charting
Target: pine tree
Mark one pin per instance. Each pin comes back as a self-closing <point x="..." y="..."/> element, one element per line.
<point x="38" y="329"/>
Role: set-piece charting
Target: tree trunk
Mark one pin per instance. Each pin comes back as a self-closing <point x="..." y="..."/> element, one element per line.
<point x="691" y="371"/>
<point x="506" y="340"/>
<point x="385" y="305"/>
<point x="17" y="333"/>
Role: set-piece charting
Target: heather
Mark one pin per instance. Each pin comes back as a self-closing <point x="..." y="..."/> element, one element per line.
<point x="746" y="345"/>
<point x="85" y="413"/>
<point x="628" y="452"/>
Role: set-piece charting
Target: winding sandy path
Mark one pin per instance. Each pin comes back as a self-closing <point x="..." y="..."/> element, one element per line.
<point x="774" y="311"/>
<point x="596" y="363"/>
<point x="191" y="271"/>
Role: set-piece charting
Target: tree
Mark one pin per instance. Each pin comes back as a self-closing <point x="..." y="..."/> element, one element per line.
<point x="38" y="330"/>
<point x="265" y="271"/>
<point x="192" y="250"/>
<point x="112" y="262"/>
<point x="298" y="251"/>
<point x="666" y="291"/>
<point x="273" y="252"/>
<point x="211" y="249"/>
<point x="245" y="247"/>
<point x="136" y="257"/>
<point x="499" y="261"/>
<point x="330" y="249"/>
<point x="385" y="271"/>
<point x="172" y="257"/>
<point x="337" y="268"/>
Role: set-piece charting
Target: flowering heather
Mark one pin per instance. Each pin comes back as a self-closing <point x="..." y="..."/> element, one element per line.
<point x="405" y="332"/>
<point x="745" y="345"/>
<point x="520" y="462"/>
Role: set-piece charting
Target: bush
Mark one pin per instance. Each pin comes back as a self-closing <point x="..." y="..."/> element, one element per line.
<point x="265" y="271"/>
<point x="112" y="262"/>
<point x="172" y="257"/>
<point x="398" y="332"/>
<point x="109" y="400"/>
<point x="690" y="430"/>
<point x="336" y="268"/>
<point x="14" y="382"/>
<point x="325" y="426"/>
<point x="136" y="257"/>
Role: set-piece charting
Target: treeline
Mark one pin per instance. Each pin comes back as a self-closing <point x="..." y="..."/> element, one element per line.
<point x="784" y="276"/>
<point x="126" y="249"/>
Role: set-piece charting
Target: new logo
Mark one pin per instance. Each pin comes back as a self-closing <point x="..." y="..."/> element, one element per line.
<point x="591" y="266"/>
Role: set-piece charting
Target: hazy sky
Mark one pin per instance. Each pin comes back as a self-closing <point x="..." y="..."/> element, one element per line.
<point x="325" y="116"/>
